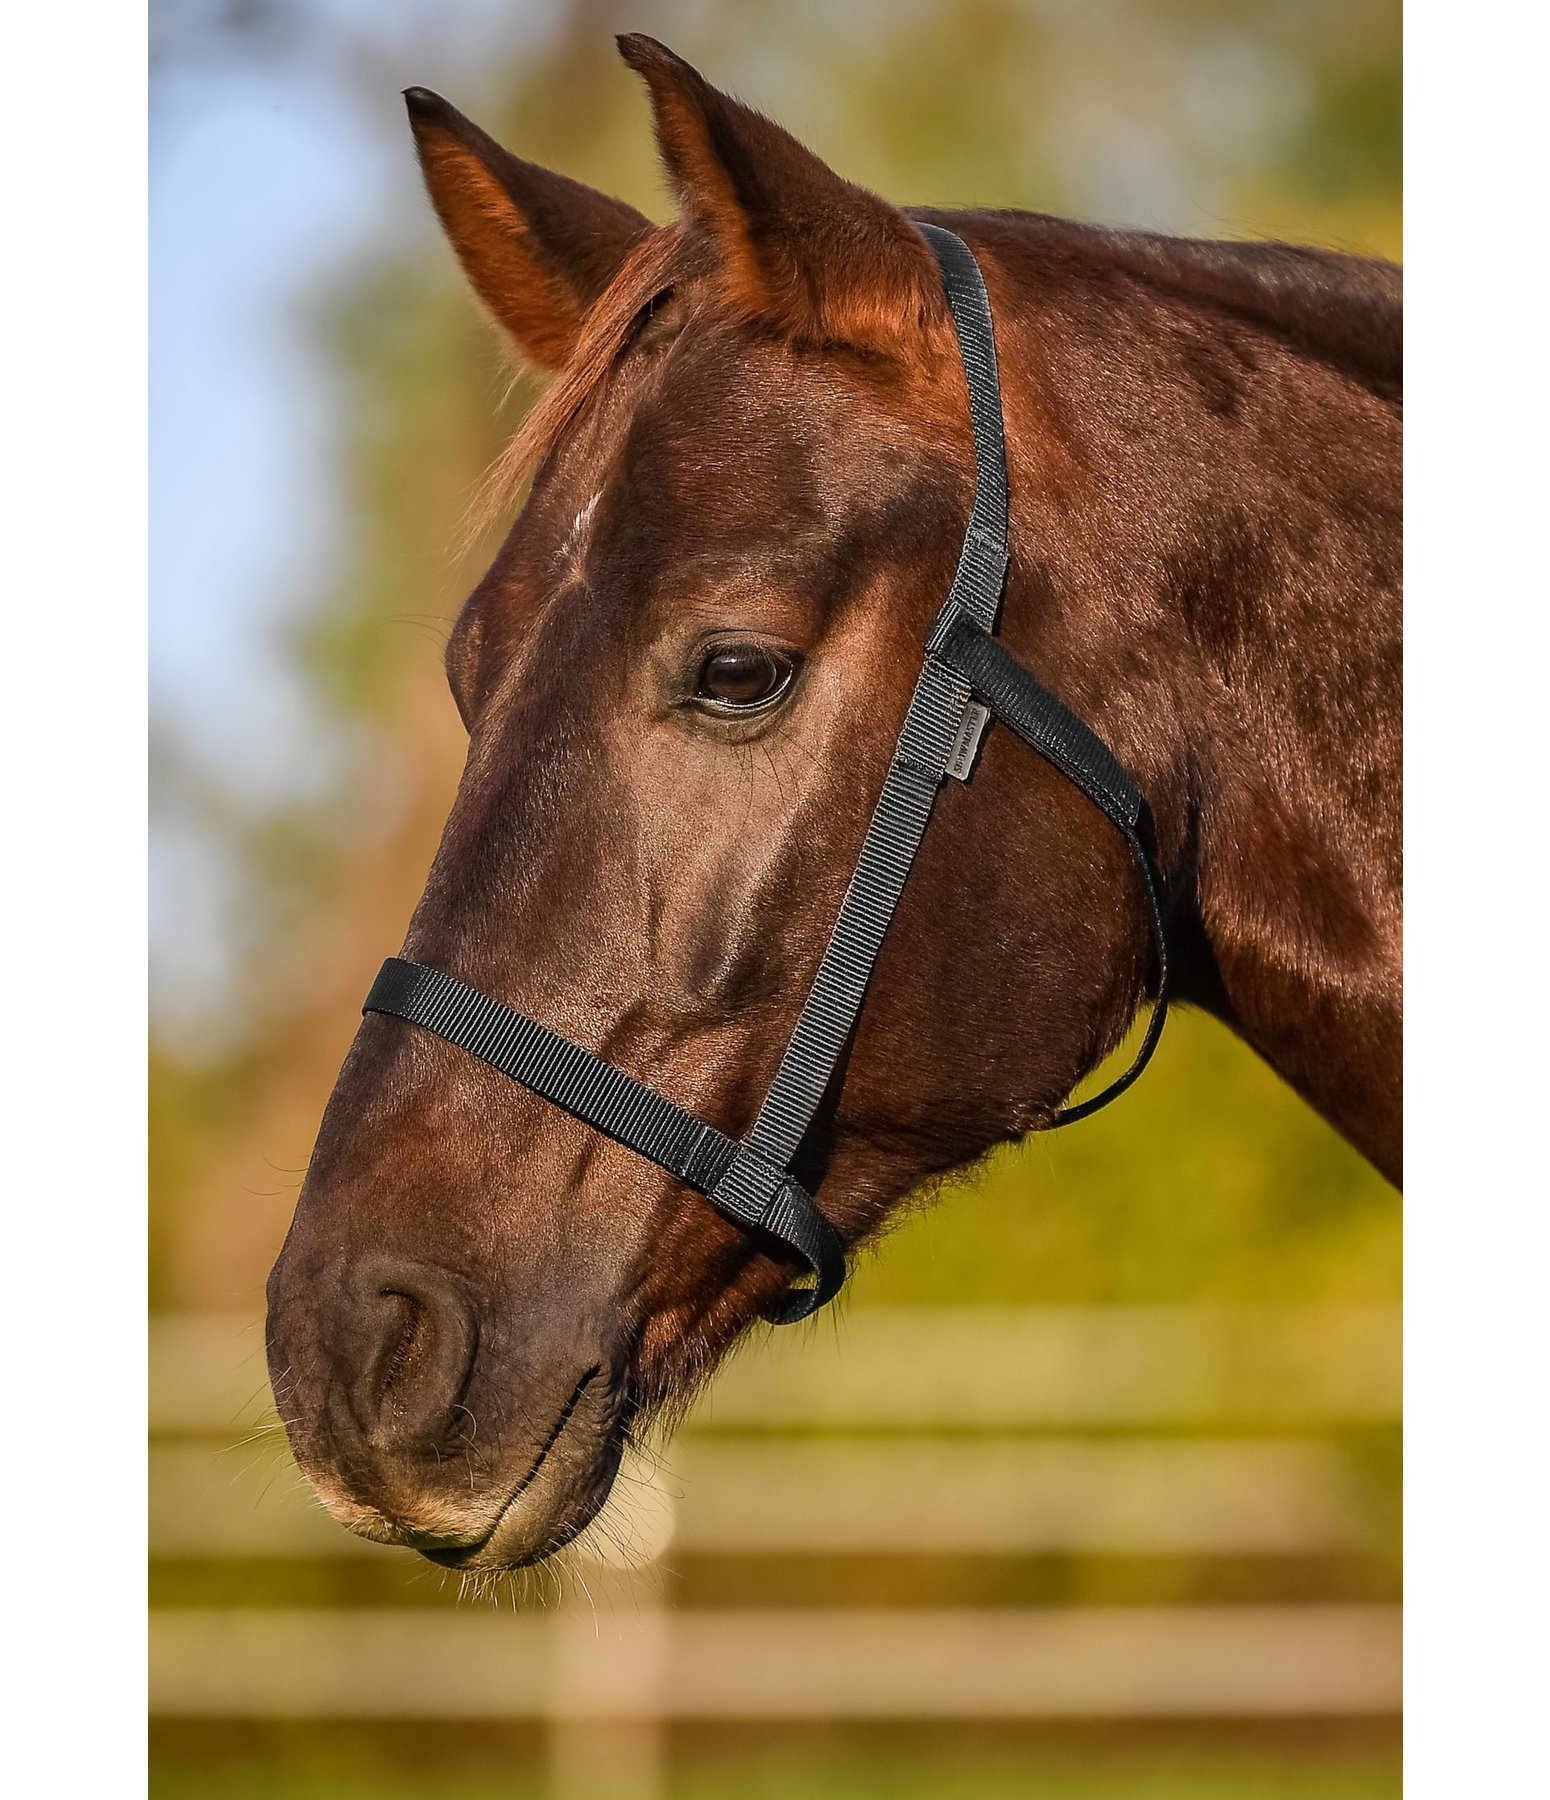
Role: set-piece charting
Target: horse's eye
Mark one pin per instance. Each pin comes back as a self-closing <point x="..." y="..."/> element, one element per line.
<point x="743" y="676"/>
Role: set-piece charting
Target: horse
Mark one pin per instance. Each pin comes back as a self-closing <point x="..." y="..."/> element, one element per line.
<point x="682" y="677"/>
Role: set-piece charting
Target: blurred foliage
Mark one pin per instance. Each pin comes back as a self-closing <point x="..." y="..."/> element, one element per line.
<point x="1210" y="1181"/>
<point x="1251" y="116"/>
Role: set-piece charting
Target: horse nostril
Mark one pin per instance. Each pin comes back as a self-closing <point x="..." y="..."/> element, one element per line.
<point x="416" y="1342"/>
<point x="418" y="1345"/>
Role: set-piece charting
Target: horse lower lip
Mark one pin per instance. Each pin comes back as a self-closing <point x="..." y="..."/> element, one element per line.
<point x="459" y="1556"/>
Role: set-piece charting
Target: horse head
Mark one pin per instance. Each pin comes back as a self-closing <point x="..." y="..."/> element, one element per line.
<point x="682" y="679"/>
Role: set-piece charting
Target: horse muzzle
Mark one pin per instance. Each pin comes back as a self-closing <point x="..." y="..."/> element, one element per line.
<point x="421" y="1422"/>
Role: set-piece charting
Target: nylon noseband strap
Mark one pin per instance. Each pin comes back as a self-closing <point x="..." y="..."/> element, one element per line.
<point x="742" y="1185"/>
<point x="968" y="672"/>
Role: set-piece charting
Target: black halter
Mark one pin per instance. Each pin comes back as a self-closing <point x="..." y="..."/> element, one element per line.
<point x="968" y="675"/>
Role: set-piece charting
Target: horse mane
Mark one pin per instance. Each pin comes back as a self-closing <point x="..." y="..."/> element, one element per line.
<point x="1335" y="306"/>
<point x="1340" y="308"/>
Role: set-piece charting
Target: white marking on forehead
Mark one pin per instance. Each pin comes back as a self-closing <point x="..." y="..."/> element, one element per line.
<point x="575" y="538"/>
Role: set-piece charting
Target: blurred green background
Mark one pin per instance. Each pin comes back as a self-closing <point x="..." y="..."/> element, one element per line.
<point x="291" y="845"/>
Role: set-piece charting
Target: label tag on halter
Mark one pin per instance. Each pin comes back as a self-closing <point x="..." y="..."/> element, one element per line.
<point x="966" y="746"/>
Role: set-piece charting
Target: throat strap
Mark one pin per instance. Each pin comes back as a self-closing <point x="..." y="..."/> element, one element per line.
<point x="968" y="675"/>
<point x="1005" y="687"/>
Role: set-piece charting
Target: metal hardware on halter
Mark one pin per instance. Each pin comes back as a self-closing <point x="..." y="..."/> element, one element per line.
<point x="966" y="746"/>
<point x="968" y="676"/>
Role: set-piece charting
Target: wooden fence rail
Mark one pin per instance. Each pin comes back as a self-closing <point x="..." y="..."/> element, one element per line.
<point x="1163" y="1432"/>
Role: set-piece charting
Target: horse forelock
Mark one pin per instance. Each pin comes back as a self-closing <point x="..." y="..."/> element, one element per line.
<point x="660" y="259"/>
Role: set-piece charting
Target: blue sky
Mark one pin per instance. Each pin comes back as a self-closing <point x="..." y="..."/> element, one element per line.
<point x="279" y="162"/>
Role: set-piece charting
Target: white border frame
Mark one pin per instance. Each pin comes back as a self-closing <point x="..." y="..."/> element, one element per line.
<point x="72" y="728"/>
<point x="72" y="735"/>
<point x="1478" y="1237"/>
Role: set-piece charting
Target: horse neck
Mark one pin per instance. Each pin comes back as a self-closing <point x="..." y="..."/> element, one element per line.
<point x="1241" y="647"/>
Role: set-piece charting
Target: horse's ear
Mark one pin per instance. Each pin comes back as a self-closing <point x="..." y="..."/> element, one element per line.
<point x="538" y="247"/>
<point x="822" y="258"/>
